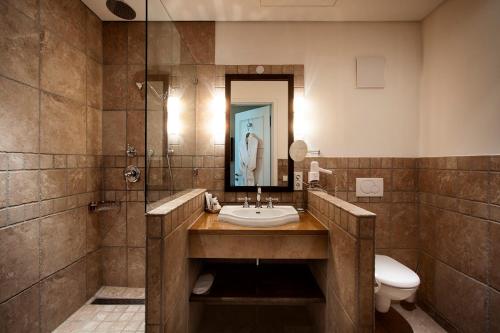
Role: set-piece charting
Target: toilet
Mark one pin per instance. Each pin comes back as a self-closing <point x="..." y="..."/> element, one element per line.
<point x="394" y="282"/>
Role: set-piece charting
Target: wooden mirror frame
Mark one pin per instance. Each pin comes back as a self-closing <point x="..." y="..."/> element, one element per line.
<point x="227" y="159"/>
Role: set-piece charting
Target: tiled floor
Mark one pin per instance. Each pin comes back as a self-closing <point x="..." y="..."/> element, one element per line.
<point x="108" y="318"/>
<point x="419" y="321"/>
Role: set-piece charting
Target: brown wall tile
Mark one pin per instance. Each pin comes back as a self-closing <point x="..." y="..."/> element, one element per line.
<point x="56" y="306"/>
<point x="94" y="131"/>
<point x="62" y="68"/>
<point x="136" y="43"/>
<point x="53" y="183"/>
<point x="113" y="132"/>
<point x="23" y="187"/>
<point x="62" y="126"/>
<point x="465" y="307"/>
<point x="94" y="36"/>
<point x="66" y="18"/>
<point x="136" y="267"/>
<point x="19" y="40"/>
<point x="93" y="273"/>
<point x="62" y="240"/>
<point x="114" y="87"/>
<point x="114" y="43"/>
<point x="21" y="313"/>
<point x="494" y="255"/>
<point x="113" y="227"/>
<point x="23" y="271"/>
<point x="136" y="224"/>
<point x="114" y="259"/>
<point x="19" y="114"/>
<point x="94" y="84"/>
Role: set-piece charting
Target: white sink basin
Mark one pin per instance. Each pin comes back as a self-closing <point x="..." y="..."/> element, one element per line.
<point x="259" y="217"/>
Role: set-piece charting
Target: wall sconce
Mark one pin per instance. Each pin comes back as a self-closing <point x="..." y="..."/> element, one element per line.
<point x="174" y="126"/>
<point x="218" y="125"/>
<point x="301" y="115"/>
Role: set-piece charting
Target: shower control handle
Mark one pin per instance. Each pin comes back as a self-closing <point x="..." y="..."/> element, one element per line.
<point x="132" y="174"/>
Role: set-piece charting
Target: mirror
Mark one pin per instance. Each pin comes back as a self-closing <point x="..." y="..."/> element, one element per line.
<point x="298" y="151"/>
<point x="259" y="116"/>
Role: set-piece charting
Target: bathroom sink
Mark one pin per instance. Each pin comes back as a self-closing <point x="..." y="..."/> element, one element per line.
<point x="259" y="217"/>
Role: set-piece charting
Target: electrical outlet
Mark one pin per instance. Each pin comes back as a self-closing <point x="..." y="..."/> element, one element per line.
<point x="298" y="177"/>
<point x="285" y="178"/>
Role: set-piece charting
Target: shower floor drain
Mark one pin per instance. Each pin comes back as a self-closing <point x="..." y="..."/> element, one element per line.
<point x="119" y="301"/>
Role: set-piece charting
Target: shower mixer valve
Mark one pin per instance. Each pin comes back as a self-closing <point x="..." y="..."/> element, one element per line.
<point x="132" y="174"/>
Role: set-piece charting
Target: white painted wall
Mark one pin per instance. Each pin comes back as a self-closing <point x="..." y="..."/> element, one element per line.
<point x="342" y="120"/>
<point x="460" y="92"/>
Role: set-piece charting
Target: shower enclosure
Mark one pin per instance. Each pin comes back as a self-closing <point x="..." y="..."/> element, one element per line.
<point x="170" y="91"/>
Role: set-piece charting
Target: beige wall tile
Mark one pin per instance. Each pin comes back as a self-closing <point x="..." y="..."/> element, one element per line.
<point x="21" y="313"/>
<point x="56" y="306"/>
<point x="19" y="41"/>
<point x="62" y="126"/>
<point x="18" y="114"/>
<point x="21" y="241"/>
<point x="23" y="187"/>
<point x="62" y="240"/>
<point x="113" y="132"/>
<point x="62" y="68"/>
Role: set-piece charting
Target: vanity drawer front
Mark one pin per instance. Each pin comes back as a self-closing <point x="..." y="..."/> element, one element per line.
<point x="258" y="246"/>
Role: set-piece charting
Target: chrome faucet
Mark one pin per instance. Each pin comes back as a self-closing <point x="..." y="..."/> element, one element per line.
<point x="258" y="204"/>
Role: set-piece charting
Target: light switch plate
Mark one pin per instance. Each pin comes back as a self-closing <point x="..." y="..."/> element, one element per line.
<point x="298" y="177"/>
<point x="369" y="187"/>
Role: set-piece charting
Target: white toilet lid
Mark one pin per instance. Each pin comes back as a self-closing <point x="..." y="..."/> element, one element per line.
<point x="393" y="273"/>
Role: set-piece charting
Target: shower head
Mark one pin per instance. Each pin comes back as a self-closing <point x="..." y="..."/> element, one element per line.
<point x="121" y="9"/>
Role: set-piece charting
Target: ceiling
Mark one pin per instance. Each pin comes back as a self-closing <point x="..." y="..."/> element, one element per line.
<point x="274" y="10"/>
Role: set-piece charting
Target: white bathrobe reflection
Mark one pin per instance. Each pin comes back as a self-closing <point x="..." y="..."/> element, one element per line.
<point x="248" y="158"/>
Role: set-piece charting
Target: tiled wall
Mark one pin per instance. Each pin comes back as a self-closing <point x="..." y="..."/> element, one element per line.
<point x="50" y="159"/>
<point x="348" y="277"/>
<point x="459" y="210"/>
<point x="123" y="122"/>
<point x="396" y="230"/>
<point x="170" y="275"/>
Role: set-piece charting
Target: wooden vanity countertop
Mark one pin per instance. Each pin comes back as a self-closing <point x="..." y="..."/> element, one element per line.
<point x="210" y="224"/>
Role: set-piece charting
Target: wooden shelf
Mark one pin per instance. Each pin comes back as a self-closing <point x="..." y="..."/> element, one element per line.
<point x="266" y="284"/>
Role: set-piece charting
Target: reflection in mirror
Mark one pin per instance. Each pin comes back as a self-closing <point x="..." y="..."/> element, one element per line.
<point x="259" y="130"/>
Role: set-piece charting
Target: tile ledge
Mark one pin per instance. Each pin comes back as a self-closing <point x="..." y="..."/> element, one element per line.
<point x="169" y="206"/>
<point x="349" y="207"/>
